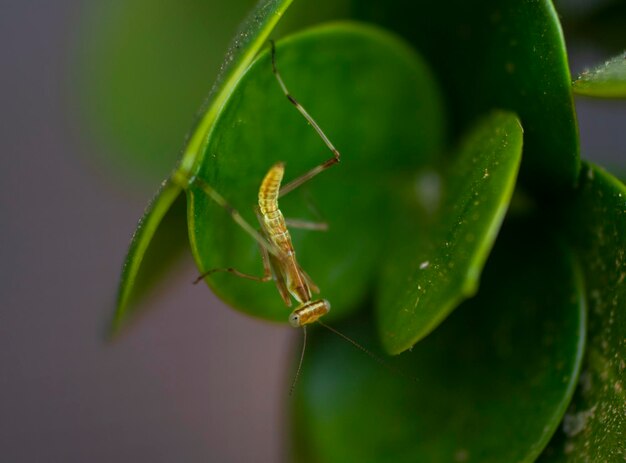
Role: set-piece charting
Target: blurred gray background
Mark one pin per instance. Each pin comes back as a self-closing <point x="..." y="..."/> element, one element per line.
<point x="194" y="381"/>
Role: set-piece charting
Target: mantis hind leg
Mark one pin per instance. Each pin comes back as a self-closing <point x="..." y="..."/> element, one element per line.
<point x="265" y="246"/>
<point x="267" y="271"/>
<point x="326" y="164"/>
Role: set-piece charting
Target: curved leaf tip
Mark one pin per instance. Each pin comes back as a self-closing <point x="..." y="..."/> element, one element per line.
<point x="607" y="80"/>
<point x="161" y="234"/>
<point x="429" y="272"/>
<point x="250" y="37"/>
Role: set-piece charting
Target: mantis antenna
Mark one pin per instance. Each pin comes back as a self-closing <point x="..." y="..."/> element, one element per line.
<point x="295" y="379"/>
<point x="373" y="356"/>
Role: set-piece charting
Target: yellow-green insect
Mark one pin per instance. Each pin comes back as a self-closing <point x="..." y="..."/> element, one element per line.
<point x="279" y="256"/>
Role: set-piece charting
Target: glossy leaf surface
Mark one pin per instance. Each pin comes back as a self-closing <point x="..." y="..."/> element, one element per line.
<point x="498" y="54"/>
<point x="595" y="424"/>
<point x="376" y="101"/>
<point x="607" y="80"/>
<point x="252" y="35"/>
<point x="491" y="383"/>
<point x="429" y="272"/>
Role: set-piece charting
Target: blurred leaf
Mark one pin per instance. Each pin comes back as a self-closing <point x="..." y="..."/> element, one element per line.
<point x="376" y="101"/>
<point x="492" y="383"/>
<point x="427" y="277"/>
<point x="136" y="100"/>
<point x="607" y="80"/>
<point x="252" y="34"/>
<point x="498" y="54"/>
<point x="595" y="424"/>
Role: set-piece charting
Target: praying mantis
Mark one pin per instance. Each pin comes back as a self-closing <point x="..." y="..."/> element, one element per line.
<point x="279" y="256"/>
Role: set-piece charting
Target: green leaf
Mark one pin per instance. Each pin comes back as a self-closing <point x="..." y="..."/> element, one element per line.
<point x="253" y="33"/>
<point x="606" y="81"/>
<point x="426" y="277"/>
<point x="595" y="424"/>
<point x="160" y="231"/>
<point x="376" y="101"/>
<point x="491" y="384"/>
<point x="498" y="54"/>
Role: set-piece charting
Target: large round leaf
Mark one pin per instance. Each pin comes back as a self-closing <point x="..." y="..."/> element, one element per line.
<point x="594" y="428"/>
<point x="375" y="100"/>
<point x="491" y="383"/>
<point x="507" y="54"/>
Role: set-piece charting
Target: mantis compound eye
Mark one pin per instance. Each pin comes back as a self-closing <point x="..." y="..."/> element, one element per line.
<point x="294" y="320"/>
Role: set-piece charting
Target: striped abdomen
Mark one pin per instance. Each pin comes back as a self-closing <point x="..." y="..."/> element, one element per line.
<point x="275" y="228"/>
<point x="273" y="220"/>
